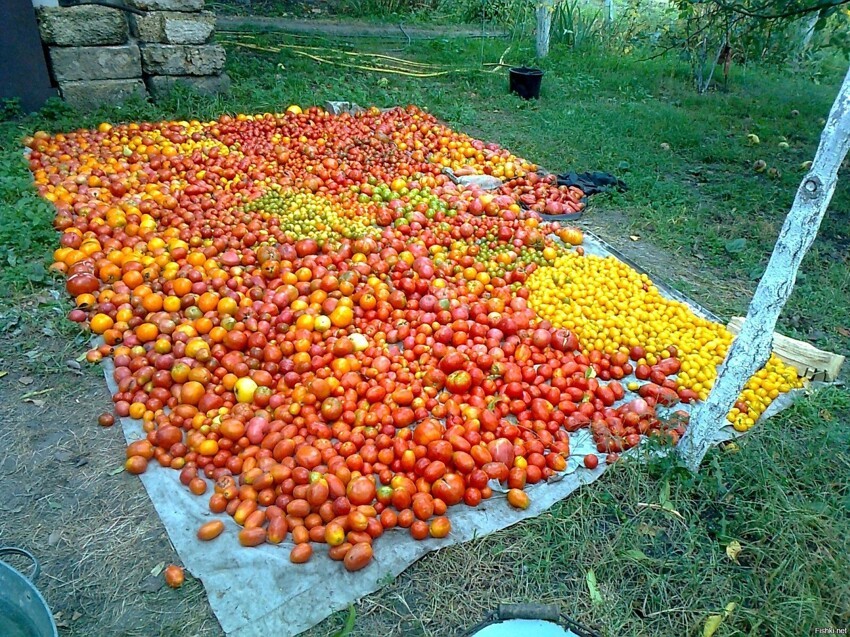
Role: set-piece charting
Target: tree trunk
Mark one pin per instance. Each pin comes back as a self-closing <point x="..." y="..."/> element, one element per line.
<point x="807" y="30"/>
<point x="752" y="347"/>
<point x="544" y="26"/>
<point x="609" y="12"/>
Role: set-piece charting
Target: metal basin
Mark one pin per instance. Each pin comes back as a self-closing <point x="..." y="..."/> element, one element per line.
<point x="23" y="611"/>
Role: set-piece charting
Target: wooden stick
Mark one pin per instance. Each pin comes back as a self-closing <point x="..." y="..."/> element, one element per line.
<point x="809" y="361"/>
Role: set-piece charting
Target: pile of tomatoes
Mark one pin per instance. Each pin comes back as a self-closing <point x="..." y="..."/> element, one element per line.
<point x="543" y="194"/>
<point x="322" y="333"/>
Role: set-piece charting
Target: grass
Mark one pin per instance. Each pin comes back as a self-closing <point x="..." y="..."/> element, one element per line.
<point x="784" y="494"/>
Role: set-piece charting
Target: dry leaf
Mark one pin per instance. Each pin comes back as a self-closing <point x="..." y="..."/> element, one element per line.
<point x="711" y="625"/>
<point x="825" y="415"/>
<point x="25" y="380"/>
<point x="2" y="374"/>
<point x="60" y="623"/>
<point x="35" y="401"/>
<point x="843" y="331"/>
<point x="156" y="570"/>
<point x="733" y="549"/>
<point x="646" y="529"/>
<point x="634" y="237"/>
<point x="33" y="394"/>
<point x="151" y="584"/>
<point x="713" y="622"/>
<point x="77" y="614"/>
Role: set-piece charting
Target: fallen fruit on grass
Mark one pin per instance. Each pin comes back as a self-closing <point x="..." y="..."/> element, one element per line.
<point x="753" y="139"/>
<point x="210" y="530"/>
<point x="174" y="576"/>
<point x="591" y="461"/>
<point x="106" y="419"/>
<point x="760" y="165"/>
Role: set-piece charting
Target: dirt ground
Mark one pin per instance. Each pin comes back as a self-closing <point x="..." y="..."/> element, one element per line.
<point x="91" y="526"/>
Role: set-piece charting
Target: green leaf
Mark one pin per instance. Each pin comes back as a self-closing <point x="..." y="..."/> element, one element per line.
<point x="733" y="246"/>
<point x="636" y="555"/>
<point x="756" y="273"/>
<point x="349" y="623"/>
<point x="593" y="587"/>
<point x="664" y="496"/>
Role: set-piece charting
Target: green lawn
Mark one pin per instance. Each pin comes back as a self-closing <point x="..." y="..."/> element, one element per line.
<point x="783" y="494"/>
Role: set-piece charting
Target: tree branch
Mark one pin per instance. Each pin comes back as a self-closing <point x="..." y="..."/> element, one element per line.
<point x="791" y="13"/>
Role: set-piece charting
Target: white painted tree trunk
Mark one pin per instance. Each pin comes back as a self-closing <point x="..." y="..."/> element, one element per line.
<point x="752" y="347"/>
<point x="544" y="26"/>
<point x="608" y="6"/>
<point x="807" y="30"/>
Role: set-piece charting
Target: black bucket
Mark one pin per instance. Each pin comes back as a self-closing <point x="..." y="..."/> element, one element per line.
<point x="525" y="82"/>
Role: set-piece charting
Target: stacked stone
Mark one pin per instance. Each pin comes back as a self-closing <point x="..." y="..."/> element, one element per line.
<point x="91" y="55"/>
<point x="174" y="39"/>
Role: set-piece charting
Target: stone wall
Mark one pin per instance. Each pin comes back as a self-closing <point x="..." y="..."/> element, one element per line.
<point x="99" y="55"/>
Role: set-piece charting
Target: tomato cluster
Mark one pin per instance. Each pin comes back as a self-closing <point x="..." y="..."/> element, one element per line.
<point x="544" y="195"/>
<point x="304" y="311"/>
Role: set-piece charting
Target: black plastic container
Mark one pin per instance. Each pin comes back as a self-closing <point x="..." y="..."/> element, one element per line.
<point x="525" y="81"/>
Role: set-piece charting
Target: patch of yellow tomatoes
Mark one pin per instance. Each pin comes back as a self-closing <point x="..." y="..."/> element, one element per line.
<point x="611" y="307"/>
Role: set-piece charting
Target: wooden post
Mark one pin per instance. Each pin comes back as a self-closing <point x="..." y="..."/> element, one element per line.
<point x="544" y="26"/>
<point x="752" y="347"/>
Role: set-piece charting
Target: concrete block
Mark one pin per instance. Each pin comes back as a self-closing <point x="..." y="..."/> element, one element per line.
<point x="89" y="94"/>
<point x="161" y="85"/>
<point x="180" y="59"/>
<point x="96" y="62"/>
<point x="167" y="5"/>
<point x="173" y="27"/>
<point x="88" y="25"/>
